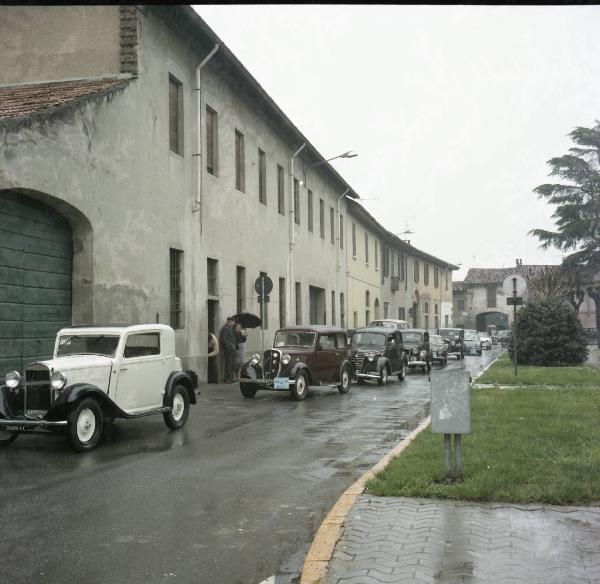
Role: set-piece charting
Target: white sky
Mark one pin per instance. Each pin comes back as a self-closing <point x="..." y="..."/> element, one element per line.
<point x="453" y="110"/>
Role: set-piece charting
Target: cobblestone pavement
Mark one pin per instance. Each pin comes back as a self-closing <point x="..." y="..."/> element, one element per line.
<point x="401" y="540"/>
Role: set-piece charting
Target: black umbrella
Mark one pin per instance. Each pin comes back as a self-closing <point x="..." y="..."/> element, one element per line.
<point x="247" y="319"/>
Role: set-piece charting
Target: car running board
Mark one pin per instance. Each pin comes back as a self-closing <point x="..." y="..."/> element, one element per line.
<point x="160" y="410"/>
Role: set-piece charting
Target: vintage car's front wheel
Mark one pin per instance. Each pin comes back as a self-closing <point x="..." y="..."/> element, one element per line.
<point x="345" y="381"/>
<point x="248" y="390"/>
<point x="85" y="425"/>
<point x="402" y="374"/>
<point x="7" y="437"/>
<point x="300" y="388"/>
<point x="180" y="409"/>
<point x="383" y="376"/>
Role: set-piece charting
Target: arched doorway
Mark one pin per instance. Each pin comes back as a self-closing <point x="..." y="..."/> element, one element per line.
<point x="496" y="318"/>
<point x="376" y="307"/>
<point x="36" y="266"/>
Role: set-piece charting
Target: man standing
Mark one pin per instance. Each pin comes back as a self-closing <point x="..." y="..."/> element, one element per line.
<point x="228" y="342"/>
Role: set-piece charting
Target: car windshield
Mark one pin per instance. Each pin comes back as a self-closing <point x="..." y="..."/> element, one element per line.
<point x="105" y="345"/>
<point x="412" y="337"/>
<point x="370" y="339"/>
<point x="471" y="337"/>
<point x="294" y="339"/>
<point x="453" y="334"/>
<point x="435" y="339"/>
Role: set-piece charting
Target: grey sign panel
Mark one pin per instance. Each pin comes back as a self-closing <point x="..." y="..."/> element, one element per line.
<point x="450" y="402"/>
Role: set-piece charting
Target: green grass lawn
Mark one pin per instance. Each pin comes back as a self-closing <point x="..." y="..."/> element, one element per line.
<point x="502" y="373"/>
<point x="527" y="445"/>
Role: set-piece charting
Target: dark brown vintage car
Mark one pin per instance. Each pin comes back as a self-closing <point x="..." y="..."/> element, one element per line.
<point x="301" y="356"/>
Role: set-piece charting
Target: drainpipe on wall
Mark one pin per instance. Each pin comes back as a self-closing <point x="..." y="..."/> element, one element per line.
<point x="198" y="154"/>
<point x="291" y="284"/>
<point x="338" y="256"/>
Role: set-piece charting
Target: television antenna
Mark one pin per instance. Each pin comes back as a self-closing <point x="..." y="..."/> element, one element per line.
<point x="407" y="229"/>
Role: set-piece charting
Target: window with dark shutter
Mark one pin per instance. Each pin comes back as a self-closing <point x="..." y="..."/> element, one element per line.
<point x="175" y="141"/>
<point x="211" y="140"/>
<point x="240" y="178"/>
<point x="322" y="218"/>
<point x="332" y="224"/>
<point x="280" y="191"/>
<point x="175" y="288"/>
<point x="262" y="177"/>
<point x="310" y="210"/>
<point x="297" y="201"/>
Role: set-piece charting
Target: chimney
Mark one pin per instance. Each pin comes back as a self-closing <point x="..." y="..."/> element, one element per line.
<point x="519" y="262"/>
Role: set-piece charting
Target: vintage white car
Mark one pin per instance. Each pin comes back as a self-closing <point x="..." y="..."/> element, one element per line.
<point x="98" y="374"/>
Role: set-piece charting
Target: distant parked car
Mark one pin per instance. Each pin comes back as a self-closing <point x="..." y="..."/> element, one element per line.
<point x="376" y="353"/>
<point x="390" y="322"/>
<point x="472" y="343"/>
<point x="98" y="374"/>
<point x="486" y="342"/>
<point x="439" y="349"/>
<point x="454" y="338"/>
<point x="503" y="337"/>
<point x="301" y="356"/>
<point x="418" y="349"/>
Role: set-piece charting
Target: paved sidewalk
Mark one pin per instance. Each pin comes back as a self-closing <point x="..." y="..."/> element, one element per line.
<point x="401" y="540"/>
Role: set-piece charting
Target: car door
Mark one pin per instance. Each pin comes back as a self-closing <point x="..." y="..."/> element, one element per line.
<point x="142" y="375"/>
<point x="327" y="358"/>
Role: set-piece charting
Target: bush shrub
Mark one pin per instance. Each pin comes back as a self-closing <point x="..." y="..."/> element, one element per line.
<point x="549" y="334"/>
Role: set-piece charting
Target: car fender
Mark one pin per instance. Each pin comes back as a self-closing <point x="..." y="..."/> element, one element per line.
<point x="9" y="402"/>
<point x="300" y="366"/>
<point x="383" y="362"/>
<point x="73" y="393"/>
<point x="346" y="363"/>
<point x="182" y="378"/>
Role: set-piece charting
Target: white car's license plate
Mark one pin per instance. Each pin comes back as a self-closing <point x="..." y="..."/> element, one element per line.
<point x="281" y="383"/>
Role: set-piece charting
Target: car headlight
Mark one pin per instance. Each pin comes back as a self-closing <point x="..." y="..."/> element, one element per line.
<point x="423" y="354"/>
<point x="57" y="380"/>
<point x="12" y="379"/>
<point x="255" y="359"/>
<point x="370" y="356"/>
<point x="286" y="359"/>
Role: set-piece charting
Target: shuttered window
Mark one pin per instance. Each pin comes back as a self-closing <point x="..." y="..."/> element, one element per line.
<point x="322" y="217"/>
<point x="211" y="140"/>
<point x="175" y="115"/>
<point x="280" y="191"/>
<point x="262" y="177"/>
<point x="297" y="201"/>
<point x="341" y="231"/>
<point x="310" y="210"/>
<point x="240" y="178"/>
<point x="332" y="224"/>
<point x="175" y="268"/>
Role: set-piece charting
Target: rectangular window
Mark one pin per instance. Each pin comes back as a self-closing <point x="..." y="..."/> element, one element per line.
<point x="175" y="288"/>
<point x="342" y="311"/>
<point x="212" y="277"/>
<point x="437" y="322"/>
<point x="212" y="133"/>
<point x="445" y="320"/>
<point x="240" y="286"/>
<point x="416" y="270"/>
<point x="332" y="224"/>
<point x="264" y="308"/>
<point x="436" y="277"/>
<point x="401" y="313"/>
<point x="461" y="304"/>
<point x="297" y="201"/>
<point x="281" y="302"/>
<point x="446" y="279"/>
<point x="491" y="296"/>
<point x="376" y="255"/>
<point x="262" y="177"/>
<point x="240" y="162"/>
<point x="310" y="210"/>
<point x="353" y="240"/>
<point x="393" y="261"/>
<point x="280" y="191"/>
<point x="333" y="308"/>
<point x="426" y="274"/>
<point x="367" y="317"/>
<point x="355" y="319"/>
<point x="401" y="266"/>
<point x="142" y="345"/>
<point x="386" y="309"/>
<point x="366" y="248"/>
<point x="322" y="218"/>
<point x="175" y="116"/>
<point x="341" y="231"/>
<point x="298" y="303"/>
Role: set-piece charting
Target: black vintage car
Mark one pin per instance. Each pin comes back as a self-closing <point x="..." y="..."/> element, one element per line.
<point x="418" y="349"/>
<point x="376" y="353"/>
<point x="439" y="349"/>
<point x="455" y="339"/>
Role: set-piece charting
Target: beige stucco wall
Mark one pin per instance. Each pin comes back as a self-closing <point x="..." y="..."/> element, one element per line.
<point x="40" y="43"/>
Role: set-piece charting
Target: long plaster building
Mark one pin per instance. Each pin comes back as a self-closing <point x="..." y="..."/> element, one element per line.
<point x="146" y="176"/>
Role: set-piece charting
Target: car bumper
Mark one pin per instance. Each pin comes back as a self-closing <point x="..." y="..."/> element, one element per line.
<point x="417" y="363"/>
<point x="269" y="383"/>
<point x="368" y="376"/>
<point x="24" y="425"/>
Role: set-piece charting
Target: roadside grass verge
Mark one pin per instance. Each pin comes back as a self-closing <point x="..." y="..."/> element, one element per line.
<point x="501" y="373"/>
<point x="527" y="445"/>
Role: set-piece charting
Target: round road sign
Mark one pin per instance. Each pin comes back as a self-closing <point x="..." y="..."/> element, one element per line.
<point x="508" y="285"/>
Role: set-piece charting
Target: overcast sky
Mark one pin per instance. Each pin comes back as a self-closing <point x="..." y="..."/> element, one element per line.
<point x="453" y="111"/>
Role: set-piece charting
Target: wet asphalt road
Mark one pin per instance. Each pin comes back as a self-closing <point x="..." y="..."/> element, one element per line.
<point x="234" y="498"/>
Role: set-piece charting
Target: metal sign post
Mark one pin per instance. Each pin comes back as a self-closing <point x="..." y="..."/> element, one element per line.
<point x="263" y="286"/>
<point x="514" y="288"/>
<point x="451" y="414"/>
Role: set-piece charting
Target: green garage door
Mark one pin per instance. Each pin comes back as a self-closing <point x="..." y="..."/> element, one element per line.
<point x="36" y="256"/>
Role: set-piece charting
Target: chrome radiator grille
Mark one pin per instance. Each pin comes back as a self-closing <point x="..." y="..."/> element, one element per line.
<point x="271" y="362"/>
<point x="38" y="398"/>
<point x="357" y="360"/>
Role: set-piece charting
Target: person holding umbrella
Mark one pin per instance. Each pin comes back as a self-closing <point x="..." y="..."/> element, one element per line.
<point x="240" y="334"/>
<point x="228" y="342"/>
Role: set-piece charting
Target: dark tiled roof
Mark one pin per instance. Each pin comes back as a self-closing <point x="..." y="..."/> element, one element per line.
<point x="497" y="275"/>
<point x="19" y="101"/>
